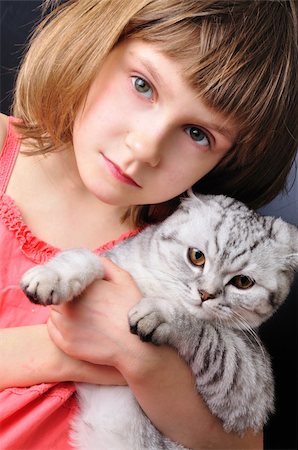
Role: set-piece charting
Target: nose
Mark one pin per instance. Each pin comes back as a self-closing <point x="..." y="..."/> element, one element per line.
<point x="205" y="295"/>
<point x="144" y="147"/>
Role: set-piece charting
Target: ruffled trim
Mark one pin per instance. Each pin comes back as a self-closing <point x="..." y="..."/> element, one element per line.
<point x="35" y="249"/>
<point x="128" y="234"/>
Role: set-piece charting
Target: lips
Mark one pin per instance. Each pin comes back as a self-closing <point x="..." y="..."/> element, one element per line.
<point x="118" y="173"/>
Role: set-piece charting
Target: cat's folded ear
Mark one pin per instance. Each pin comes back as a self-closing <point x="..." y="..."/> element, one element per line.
<point x="287" y="234"/>
<point x="196" y="196"/>
<point x="191" y="194"/>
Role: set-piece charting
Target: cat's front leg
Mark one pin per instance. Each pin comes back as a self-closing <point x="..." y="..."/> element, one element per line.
<point x="64" y="277"/>
<point x="152" y="319"/>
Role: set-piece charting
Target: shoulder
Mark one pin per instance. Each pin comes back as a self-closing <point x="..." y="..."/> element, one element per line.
<point x="3" y="129"/>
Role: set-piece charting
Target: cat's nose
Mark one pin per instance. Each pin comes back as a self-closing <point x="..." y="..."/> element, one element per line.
<point x="205" y="295"/>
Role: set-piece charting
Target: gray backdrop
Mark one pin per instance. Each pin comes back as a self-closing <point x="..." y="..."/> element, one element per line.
<point x="280" y="333"/>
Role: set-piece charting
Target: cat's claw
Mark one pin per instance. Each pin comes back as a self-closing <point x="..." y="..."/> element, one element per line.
<point x="62" y="278"/>
<point x="44" y="286"/>
<point x="148" y="323"/>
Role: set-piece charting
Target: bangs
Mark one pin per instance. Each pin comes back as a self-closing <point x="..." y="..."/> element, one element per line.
<point x="243" y="75"/>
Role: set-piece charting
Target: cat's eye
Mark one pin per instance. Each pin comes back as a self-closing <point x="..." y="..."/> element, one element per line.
<point x="196" y="257"/>
<point x="242" y="282"/>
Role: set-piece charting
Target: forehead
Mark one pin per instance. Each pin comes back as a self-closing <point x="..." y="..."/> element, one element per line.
<point x="222" y="218"/>
<point x="170" y="75"/>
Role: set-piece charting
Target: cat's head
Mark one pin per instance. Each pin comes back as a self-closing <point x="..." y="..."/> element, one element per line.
<point x="237" y="265"/>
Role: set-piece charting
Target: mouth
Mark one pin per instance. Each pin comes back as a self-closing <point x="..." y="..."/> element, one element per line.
<point x="118" y="173"/>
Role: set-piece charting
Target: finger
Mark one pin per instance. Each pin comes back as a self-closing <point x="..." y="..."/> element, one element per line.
<point x="57" y="308"/>
<point x="57" y="329"/>
<point x="56" y="318"/>
<point x="112" y="272"/>
<point x="66" y="309"/>
<point x="54" y="333"/>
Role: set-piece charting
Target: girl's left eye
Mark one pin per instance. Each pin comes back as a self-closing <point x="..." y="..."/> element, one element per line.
<point x="142" y="86"/>
<point x="197" y="135"/>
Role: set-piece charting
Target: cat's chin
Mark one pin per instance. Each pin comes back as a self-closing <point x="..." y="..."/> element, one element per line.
<point x="214" y="310"/>
<point x="193" y="304"/>
<point x="199" y="309"/>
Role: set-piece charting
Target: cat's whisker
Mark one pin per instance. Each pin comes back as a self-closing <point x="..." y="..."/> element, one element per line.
<point x="244" y="326"/>
<point x="247" y="327"/>
<point x="219" y="320"/>
<point x="218" y="316"/>
<point x="251" y="323"/>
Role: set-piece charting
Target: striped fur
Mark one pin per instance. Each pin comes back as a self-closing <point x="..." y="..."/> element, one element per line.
<point x="217" y="336"/>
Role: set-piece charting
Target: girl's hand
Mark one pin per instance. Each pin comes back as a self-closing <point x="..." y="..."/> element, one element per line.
<point x="94" y="327"/>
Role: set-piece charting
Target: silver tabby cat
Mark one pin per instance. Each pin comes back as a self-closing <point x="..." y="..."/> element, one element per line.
<point x="210" y="275"/>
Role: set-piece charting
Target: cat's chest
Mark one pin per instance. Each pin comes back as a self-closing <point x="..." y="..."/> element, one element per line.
<point x="151" y="279"/>
<point x="150" y="284"/>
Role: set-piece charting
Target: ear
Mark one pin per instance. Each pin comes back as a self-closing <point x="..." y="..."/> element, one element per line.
<point x="200" y="198"/>
<point x="190" y="200"/>
<point x="292" y="258"/>
<point x="288" y="235"/>
<point x="190" y="193"/>
<point x="292" y="261"/>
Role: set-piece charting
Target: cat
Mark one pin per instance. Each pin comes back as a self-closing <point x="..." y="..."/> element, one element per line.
<point x="210" y="274"/>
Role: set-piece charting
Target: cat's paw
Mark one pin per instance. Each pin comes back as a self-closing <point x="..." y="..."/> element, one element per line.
<point x="44" y="285"/>
<point x="149" y="322"/>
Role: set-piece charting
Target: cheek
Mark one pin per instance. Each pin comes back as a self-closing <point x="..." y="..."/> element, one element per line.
<point x="252" y="303"/>
<point x="176" y="177"/>
<point x="185" y="171"/>
<point x="104" y="104"/>
<point x="194" y="163"/>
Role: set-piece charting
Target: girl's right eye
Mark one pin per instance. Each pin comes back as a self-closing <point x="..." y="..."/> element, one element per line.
<point x="142" y="86"/>
<point x="198" y="136"/>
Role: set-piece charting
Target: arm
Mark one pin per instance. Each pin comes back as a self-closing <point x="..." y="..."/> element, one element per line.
<point x="95" y="328"/>
<point x="28" y="356"/>
<point x="165" y="384"/>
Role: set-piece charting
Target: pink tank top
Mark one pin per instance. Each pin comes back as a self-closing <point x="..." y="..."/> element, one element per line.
<point x="37" y="417"/>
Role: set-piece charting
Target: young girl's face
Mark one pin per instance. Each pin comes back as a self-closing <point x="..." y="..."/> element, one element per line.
<point x="143" y="135"/>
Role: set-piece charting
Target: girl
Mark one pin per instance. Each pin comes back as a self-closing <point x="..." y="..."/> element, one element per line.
<point x="119" y="108"/>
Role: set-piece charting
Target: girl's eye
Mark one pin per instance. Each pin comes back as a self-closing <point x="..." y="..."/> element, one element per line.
<point x="142" y="86"/>
<point x="198" y="135"/>
<point x="242" y="282"/>
<point x="196" y="257"/>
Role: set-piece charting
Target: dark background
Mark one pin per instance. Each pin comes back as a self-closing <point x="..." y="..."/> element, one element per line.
<point x="279" y="333"/>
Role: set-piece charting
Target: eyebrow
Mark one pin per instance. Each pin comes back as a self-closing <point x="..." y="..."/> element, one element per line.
<point x="222" y="130"/>
<point x="157" y="78"/>
<point x="151" y="69"/>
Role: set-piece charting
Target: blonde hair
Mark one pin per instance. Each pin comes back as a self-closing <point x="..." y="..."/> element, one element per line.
<point x="240" y="55"/>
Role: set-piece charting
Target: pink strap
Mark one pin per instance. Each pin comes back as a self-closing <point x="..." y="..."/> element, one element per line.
<point x="8" y="155"/>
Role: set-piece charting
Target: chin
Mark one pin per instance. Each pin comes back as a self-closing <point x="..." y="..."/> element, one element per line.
<point x="112" y="201"/>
